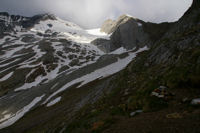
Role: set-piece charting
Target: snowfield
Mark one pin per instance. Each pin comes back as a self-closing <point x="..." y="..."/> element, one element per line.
<point x="69" y="30"/>
<point x="38" y="61"/>
<point x="51" y="103"/>
<point x="99" y="73"/>
<point x="96" y="32"/>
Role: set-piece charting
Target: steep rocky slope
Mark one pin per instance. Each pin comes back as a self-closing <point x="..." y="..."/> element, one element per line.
<point x="42" y="51"/>
<point x="129" y="32"/>
<point x="106" y="104"/>
<point x="41" y="57"/>
<point x="136" y="105"/>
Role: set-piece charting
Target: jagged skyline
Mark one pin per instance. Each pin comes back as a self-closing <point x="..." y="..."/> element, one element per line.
<point x="92" y="13"/>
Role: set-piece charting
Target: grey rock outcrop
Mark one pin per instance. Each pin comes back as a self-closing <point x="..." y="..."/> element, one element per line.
<point x="127" y="32"/>
<point x="182" y="35"/>
<point x="103" y="44"/>
<point x="107" y="26"/>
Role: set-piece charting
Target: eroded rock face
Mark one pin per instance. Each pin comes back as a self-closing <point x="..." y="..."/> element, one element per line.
<point x="183" y="35"/>
<point x="110" y="26"/>
<point x="107" y="26"/>
<point x="103" y="44"/>
<point x="126" y="32"/>
<point x="129" y="32"/>
<point x="195" y="6"/>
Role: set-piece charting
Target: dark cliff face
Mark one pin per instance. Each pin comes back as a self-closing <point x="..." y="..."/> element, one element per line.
<point x="190" y="19"/>
<point x="195" y="6"/>
<point x="129" y="32"/>
<point x="156" y="31"/>
<point x="172" y="61"/>
<point x="181" y="36"/>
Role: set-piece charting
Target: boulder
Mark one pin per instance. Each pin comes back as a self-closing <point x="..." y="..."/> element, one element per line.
<point x="195" y="101"/>
<point x="135" y="112"/>
<point x="162" y="92"/>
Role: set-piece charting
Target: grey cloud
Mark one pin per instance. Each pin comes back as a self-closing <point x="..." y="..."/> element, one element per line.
<point x="91" y="13"/>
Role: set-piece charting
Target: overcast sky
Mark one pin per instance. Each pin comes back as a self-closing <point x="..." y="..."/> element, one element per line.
<point x="92" y="13"/>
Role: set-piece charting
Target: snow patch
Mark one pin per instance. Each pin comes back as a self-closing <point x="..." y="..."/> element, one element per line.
<point x="7" y="116"/>
<point x="3" y="65"/>
<point x="50" y="75"/>
<point x="69" y="30"/>
<point x="128" y="15"/>
<point x="58" y="25"/>
<point x="139" y="24"/>
<point x="11" y="52"/>
<point x="53" y="102"/>
<point x="99" y="73"/>
<point x="6" y="77"/>
<point x="96" y="32"/>
<point x="119" y="51"/>
<point x="8" y="119"/>
<point x="54" y="86"/>
<point x="196" y="101"/>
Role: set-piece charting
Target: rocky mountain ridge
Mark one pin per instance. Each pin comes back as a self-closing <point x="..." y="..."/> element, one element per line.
<point x="43" y="56"/>
<point x="17" y="23"/>
<point x="157" y="90"/>
<point x="129" y="32"/>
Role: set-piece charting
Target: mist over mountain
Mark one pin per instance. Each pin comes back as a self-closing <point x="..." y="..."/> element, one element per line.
<point x="92" y="13"/>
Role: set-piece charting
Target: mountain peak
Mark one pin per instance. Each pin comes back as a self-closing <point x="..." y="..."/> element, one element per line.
<point x="49" y="16"/>
<point x="4" y="14"/>
<point x="45" y="16"/>
<point x="126" y="16"/>
<point x="111" y="25"/>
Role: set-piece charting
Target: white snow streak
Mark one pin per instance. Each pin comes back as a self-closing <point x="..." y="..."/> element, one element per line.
<point x="96" y="32"/>
<point x="100" y="73"/>
<point x="53" y="102"/>
<point x="10" y="53"/>
<point x="11" y="119"/>
<point x="6" y="77"/>
<point x="119" y="51"/>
